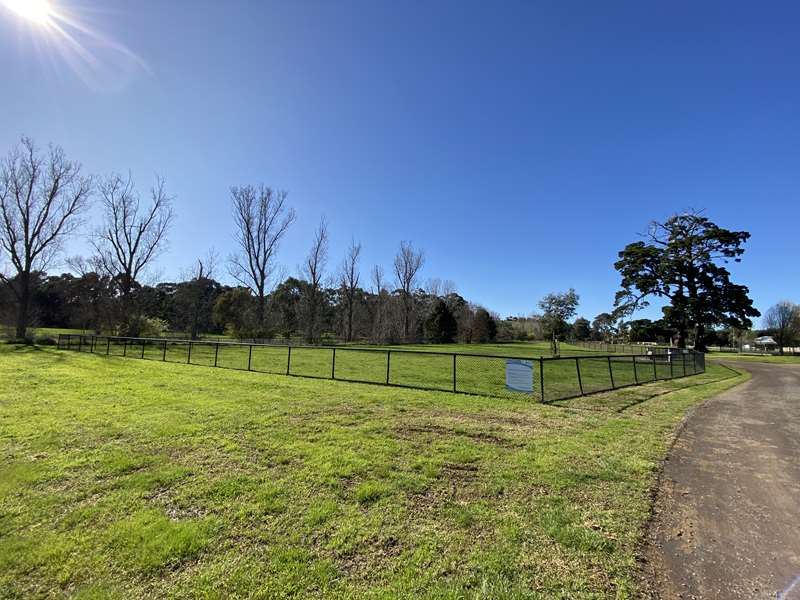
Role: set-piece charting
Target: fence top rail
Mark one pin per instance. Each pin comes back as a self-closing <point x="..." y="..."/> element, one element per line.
<point x="304" y="347"/>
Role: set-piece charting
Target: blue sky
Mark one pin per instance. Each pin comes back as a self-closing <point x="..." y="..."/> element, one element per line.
<point x="521" y="145"/>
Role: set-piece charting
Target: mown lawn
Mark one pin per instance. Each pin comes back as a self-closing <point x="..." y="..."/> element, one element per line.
<point x="124" y="478"/>
<point x="786" y="359"/>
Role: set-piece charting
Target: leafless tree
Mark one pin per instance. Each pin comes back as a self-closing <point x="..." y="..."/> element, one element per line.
<point x="433" y="286"/>
<point x="199" y="277"/>
<point x="314" y="271"/>
<point x="378" y="289"/>
<point x="262" y="219"/>
<point x="784" y="318"/>
<point x="349" y="277"/>
<point x="132" y="235"/>
<point x="41" y="199"/>
<point x="407" y="265"/>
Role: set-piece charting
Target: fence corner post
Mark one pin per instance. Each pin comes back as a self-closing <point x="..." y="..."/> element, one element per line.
<point x="250" y="358"/>
<point x="333" y="364"/>
<point x="289" y="360"/>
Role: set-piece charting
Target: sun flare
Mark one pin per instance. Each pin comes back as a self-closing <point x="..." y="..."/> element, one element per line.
<point x="38" y="11"/>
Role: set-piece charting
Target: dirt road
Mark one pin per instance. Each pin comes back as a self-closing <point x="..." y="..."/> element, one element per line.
<point x="727" y="517"/>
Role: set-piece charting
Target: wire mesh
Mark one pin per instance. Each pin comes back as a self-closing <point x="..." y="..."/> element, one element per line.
<point x="542" y="379"/>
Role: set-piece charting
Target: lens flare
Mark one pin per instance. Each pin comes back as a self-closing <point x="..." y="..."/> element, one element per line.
<point x="64" y="38"/>
<point x="38" y="11"/>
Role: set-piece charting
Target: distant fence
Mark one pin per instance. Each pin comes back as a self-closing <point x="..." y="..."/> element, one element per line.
<point x="544" y="379"/>
<point x="624" y="348"/>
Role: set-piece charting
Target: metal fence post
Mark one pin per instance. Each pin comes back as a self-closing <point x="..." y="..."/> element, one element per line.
<point x="80" y="342"/>
<point x="250" y="357"/>
<point x="164" y="355"/>
<point x="541" y="376"/>
<point x="125" y="348"/>
<point x="388" y="364"/>
<point x="611" y="373"/>
<point x="578" y="369"/>
<point x="694" y="363"/>
<point x="289" y="361"/>
<point x="655" y="372"/>
<point x="454" y="372"/>
<point x="189" y="355"/>
<point x="143" y="342"/>
<point x="108" y="346"/>
<point x="683" y="356"/>
<point x="635" y="374"/>
<point x="333" y="364"/>
<point x="216" y="353"/>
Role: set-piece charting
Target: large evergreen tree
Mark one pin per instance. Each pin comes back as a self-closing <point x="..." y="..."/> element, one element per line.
<point x="682" y="260"/>
<point x="441" y="326"/>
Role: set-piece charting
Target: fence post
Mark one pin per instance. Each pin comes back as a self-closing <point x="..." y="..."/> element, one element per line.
<point x="164" y="355"/>
<point x="125" y="348"/>
<point x="289" y="360"/>
<point x="189" y="354"/>
<point x="216" y="353"/>
<point x="388" y="364"/>
<point x="250" y="357"/>
<point x="142" y="348"/>
<point x="671" y="370"/>
<point x="635" y="374"/>
<point x="578" y="368"/>
<point x="694" y="363"/>
<point x="454" y="372"/>
<point x="91" y="345"/>
<point x="655" y="372"/>
<point x="611" y="373"/>
<point x="541" y="376"/>
<point x="683" y="356"/>
<point x="333" y="364"/>
<point x="80" y="342"/>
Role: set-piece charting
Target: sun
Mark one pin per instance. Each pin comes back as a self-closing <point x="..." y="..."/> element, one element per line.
<point x="37" y="11"/>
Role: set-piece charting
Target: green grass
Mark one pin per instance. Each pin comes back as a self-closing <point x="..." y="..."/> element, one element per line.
<point x="125" y="478"/>
<point x="732" y="356"/>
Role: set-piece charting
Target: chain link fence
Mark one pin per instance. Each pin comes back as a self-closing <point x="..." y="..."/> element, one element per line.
<point x="622" y="348"/>
<point x="540" y="379"/>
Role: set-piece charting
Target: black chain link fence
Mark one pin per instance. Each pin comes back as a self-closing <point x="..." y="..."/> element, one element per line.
<point x="541" y="379"/>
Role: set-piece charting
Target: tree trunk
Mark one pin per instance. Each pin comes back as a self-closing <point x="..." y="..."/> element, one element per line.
<point x="24" y="299"/>
<point x="700" y="338"/>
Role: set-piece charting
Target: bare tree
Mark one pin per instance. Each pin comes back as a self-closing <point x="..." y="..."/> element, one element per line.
<point x="262" y="219"/>
<point x="314" y="270"/>
<point x="41" y="198"/>
<point x="132" y="235"/>
<point x="784" y="318"/>
<point x="348" y="281"/>
<point x="378" y="285"/>
<point x="197" y="289"/>
<point x="433" y="286"/>
<point x="407" y="265"/>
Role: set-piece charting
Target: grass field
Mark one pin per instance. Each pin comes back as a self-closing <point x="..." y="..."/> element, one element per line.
<point x="733" y="357"/>
<point x="125" y="478"/>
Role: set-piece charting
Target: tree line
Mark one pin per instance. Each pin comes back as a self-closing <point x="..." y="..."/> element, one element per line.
<point x="44" y="196"/>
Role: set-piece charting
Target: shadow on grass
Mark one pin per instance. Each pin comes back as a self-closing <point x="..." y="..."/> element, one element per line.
<point x="649" y="392"/>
